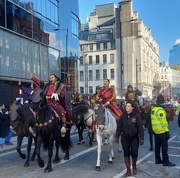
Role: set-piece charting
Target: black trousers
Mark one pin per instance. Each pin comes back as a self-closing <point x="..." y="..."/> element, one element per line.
<point x="130" y="146"/>
<point x="161" y="142"/>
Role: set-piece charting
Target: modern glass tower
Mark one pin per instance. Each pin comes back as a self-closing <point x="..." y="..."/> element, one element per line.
<point x="174" y="57"/>
<point x="40" y="36"/>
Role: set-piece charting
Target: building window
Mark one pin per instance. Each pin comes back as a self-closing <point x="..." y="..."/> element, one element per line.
<point x="97" y="74"/>
<point x="91" y="47"/>
<point x="161" y="76"/>
<point x="104" y="73"/>
<point x="90" y="75"/>
<point x="113" y="45"/>
<point x="98" y="46"/>
<point x="81" y="75"/>
<point x="97" y="59"/>
<point x="90" y="89"/>
<point x="112" y="73"/>
<point x="111" y="58"/>
<point x="90" y="60"/>
<point x="104" y="45"/>
<point x="81" y="60"/>
<point x="81" y="90"/>
<point x="104" y="58"/>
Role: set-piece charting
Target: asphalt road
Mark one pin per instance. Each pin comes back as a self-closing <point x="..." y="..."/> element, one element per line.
<point x="83" y="161"/>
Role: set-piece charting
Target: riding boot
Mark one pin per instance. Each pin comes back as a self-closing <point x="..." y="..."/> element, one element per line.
<point x="127" y="163"/>
<point x="93" y="127"/>
<point x="134" y="160"/>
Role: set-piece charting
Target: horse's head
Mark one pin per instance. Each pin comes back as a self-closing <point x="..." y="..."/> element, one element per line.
<point x="100" y="114"/>
<point x="18" y="112"/>
<point x="79" y="111"/>
<point x="37" y="98"/>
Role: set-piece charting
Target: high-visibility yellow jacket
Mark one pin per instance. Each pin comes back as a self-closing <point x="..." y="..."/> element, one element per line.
<point x="159" y="120"/>
<point x="178" y="108"/>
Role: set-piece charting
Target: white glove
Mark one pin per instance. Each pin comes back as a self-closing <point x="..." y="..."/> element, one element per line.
<point x="55" y="96"/>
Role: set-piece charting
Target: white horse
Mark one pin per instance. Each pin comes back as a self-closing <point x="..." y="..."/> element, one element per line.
<point x="106" y="127"/>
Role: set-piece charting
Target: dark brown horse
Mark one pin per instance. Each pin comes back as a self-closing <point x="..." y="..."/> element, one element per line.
<point x="21" y="119"/>
<point x="48" y="130"/>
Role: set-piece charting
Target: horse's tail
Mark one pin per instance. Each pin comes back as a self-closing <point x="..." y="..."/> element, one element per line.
<point x="66" y="142"/>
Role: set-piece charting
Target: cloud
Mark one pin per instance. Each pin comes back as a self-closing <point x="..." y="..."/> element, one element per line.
<point x="177" y="41"/>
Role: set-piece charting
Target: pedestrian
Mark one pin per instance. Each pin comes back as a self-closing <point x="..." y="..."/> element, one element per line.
<point x="132" y="135"/>
<point x="132" y="95"/>
<point x="4" y="124"/>
<point x="148" y="125"/>
<point x="161" y="131"/>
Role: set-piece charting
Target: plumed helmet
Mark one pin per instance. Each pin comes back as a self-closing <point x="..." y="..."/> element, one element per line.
<point x="160" y="99"/>
<point x="129" y="86"/>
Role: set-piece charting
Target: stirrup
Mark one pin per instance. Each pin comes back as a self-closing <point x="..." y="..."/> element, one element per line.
<point x="32" y="131"/>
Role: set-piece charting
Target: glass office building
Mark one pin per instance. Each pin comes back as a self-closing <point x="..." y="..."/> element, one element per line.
<point x="174" y="57"/>
<point x="40" y="36"/>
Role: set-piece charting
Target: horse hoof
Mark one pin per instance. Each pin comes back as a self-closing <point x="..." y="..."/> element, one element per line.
<point x="98" y="168"/>
<point x="82" y="141"/>
<point x="32" y="159"/>
<point x="110" y="162"/>
<point x="79" y="143"/>
<point x="66" y="158"/>
<point x="56" y="161"/>
<point x="47" y="170"/>
<point x="26" y="164"/>
<point x="23" y="156"/>
<point x="41" y="163"/>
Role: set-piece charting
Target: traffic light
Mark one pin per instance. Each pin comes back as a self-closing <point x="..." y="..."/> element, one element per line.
<point x="20" y="91"/>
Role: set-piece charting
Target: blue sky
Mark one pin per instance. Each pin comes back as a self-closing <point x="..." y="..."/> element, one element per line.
<point x="161" y="16"/>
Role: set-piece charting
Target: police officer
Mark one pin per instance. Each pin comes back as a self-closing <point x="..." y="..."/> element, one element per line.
<point x="161" y="132"/>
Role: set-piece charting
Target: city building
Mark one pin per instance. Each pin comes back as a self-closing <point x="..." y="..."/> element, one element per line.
<point x="40" y="36"/>
<point x="117" y="45"/>
<point x="97" y="49"/>
<point x="169" y="82"/>
<point x="174" y="57"/>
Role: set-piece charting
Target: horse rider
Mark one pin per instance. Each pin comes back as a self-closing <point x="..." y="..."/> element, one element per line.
<point x="55" y="95"/>
<point x="94" y="101"/>
<point x="29" y="93"/>
<point x="108" y="97"/>
<point x="131" y="95"/>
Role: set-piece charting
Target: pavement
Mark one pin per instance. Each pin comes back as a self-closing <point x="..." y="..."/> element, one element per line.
<point x="24" y="142"/>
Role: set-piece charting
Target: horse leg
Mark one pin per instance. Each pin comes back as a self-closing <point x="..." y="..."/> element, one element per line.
<point x="99" y="143"/>
<point x="18" y="148"/>
<point x="90" y="138"/>
<point x="39" y="143"/>
<point x="82" y="129"/>
<point x="111" y="153"/>
<point x="26" y="164"/>
<point x="56" y="159"/>
<point x="66" y="157"/>
<point x="79" y="132"/>
<point x="34" y="152"/>
<point x="50" y="153"/>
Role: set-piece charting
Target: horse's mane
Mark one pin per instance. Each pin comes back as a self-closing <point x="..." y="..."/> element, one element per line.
<point x="80" y="109"/>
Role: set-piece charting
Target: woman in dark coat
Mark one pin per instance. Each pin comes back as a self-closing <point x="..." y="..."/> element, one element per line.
<point x="132" y="134"/>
